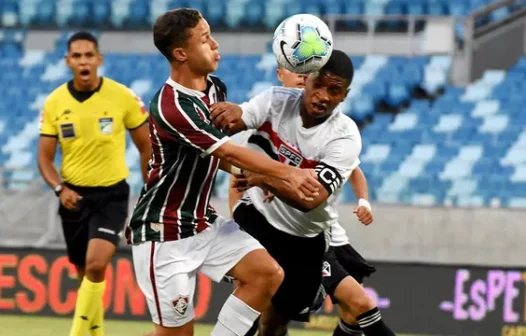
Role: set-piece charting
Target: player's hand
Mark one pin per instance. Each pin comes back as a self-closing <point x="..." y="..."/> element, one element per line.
<point x="240" y="183"/>
<point x="268" y="196"/>
<point x="69" y="198"/>
<point x="305" y="182"/>
<point x="225" y="115"/>
<point x="365" y="216"/>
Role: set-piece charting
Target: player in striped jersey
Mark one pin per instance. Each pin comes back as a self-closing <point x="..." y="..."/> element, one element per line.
<point x="277" y="106"/>
<point x="174" y="230"/>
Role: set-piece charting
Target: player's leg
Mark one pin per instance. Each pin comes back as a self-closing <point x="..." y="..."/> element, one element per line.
<point x="235" y="253"/>
<point x="166" y="275"/>
<point x="301" y="259"/>
<point x="358" y="311"/>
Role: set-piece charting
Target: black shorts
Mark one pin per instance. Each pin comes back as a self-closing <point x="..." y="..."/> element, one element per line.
<point x="301" y="260"/>
<point x="340" y="262"/>
<point x="101" y="213"/>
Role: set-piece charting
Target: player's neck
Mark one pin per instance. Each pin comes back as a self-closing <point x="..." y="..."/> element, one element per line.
<point x="188" y="79"/>
<point x="86" y="87"/>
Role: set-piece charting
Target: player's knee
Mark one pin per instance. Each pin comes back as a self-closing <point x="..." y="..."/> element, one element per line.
<point x="268" y="277"/>
<point x="357" y="304"/>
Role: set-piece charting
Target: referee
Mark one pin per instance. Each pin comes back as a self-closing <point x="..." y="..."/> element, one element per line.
<point x="88" y="117"/>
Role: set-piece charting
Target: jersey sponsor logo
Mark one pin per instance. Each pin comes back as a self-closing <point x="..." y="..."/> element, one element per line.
<point x="326" y="269"/>
<point x="180" y="305"/>
<point x="328" y="177"/>
<point x="67" y="131"/>
<point x="288" y="156"/>
<point x="106" y="125"/>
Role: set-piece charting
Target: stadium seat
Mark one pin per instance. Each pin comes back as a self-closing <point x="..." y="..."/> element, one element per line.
<point x="465" y="147"/>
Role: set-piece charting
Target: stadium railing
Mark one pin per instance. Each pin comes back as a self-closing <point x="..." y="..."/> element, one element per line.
<point x="490" y="44"/>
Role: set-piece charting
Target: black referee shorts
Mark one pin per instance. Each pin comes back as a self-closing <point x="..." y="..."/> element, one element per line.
<point x="340" y="262"/>
<point x="101" y="213"/>
<point x="301" y="259"/>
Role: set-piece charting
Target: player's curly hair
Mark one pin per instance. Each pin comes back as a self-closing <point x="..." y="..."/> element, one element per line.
<point x="171" y="29"/>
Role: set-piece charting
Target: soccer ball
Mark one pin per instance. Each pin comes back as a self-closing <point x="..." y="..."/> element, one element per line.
<point x="302" y="43"/>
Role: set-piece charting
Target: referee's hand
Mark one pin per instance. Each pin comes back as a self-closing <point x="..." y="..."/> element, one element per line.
<point x="69" y="198"/>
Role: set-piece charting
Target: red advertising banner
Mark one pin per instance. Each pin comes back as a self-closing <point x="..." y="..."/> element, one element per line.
<point x="414" y="299"/>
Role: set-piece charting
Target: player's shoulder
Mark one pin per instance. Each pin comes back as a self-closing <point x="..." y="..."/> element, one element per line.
<point x="284" y="100"/>
<point x="342" y="126"/>
<point x="285" y="93"/>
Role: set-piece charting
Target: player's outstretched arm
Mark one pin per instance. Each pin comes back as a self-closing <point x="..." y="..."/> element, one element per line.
<point x="285" y="193"/>
<point x="302" y="182"/>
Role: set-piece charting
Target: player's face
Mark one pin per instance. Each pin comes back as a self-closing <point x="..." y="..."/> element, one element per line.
<point x="201" y="50"/>
<point x="291" y="79"/>
<point x="83" y="59"/>
<point x="323" y="93"/>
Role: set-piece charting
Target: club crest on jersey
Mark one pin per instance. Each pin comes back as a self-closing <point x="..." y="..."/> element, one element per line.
<point x="288" y="156"/>
<point x="156" y="226"/>
<point x="326" y="269"/>
<point x="180" y="304"/>
<point x="106" y="125"/>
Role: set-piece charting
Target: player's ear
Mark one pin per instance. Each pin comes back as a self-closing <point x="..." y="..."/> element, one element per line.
<point x="100" y="56"/>
<point x="179" y="54"/>
<point x="279" y="74"/>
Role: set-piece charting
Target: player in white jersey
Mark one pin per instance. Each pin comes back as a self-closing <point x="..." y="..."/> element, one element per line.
<point x="344" y="268"/>
<point x="302" y="128"/>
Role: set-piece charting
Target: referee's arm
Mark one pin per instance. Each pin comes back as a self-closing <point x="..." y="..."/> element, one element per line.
<point x="136" y="122"/>
<point x="141" y="139"/>
<point x="47" y="147"/>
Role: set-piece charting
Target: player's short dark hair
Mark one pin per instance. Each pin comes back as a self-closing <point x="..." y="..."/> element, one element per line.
<point x="83" y="36"/>
<point x="339" y="64"/>
<point x="171" y="29"/>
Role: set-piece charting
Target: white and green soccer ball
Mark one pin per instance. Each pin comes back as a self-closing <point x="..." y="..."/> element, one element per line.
<point x="302" y="43"/>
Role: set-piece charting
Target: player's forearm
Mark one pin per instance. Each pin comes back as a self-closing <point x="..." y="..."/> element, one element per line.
<point x="48" y="172"/>
<point x="247" y="159"/>
<point x="145" y="159"/>
<point x="233" y="196"/>
<point x="359" y="184"/>
<point x="284" y="191"/>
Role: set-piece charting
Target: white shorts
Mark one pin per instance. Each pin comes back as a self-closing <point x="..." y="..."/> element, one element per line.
<point x="166" y="271"/>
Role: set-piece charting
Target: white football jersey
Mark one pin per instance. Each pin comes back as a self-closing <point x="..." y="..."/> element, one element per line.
<point x="331" y="148"/>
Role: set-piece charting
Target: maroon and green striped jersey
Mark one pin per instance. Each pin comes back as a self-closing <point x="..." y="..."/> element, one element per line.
<point x="174" y="203"/>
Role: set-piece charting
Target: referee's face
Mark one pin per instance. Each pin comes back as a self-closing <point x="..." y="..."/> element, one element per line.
<point x="83" y="59"/>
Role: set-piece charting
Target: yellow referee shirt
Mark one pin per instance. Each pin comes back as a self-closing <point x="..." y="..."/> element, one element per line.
<point x="92" y="131"/>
